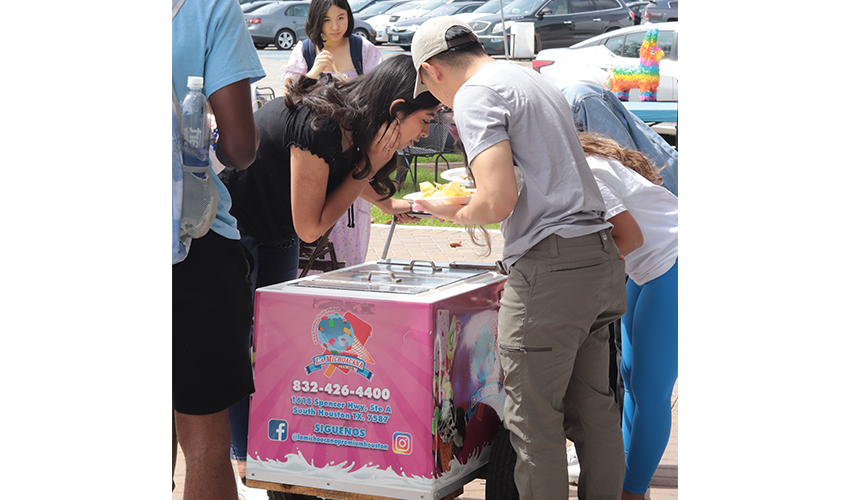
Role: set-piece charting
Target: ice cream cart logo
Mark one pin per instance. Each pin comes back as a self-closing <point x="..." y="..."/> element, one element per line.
<point x="278" y="430"/>
<point x="402" y="443"/>
<point x="343" y="336"/>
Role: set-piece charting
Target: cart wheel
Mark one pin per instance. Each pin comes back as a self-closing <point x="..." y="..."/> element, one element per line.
<point x="280" y="495"/>
<point x="500" y="483"/>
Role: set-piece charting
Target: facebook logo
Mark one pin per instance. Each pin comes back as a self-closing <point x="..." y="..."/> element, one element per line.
<point x="278" y="430"/>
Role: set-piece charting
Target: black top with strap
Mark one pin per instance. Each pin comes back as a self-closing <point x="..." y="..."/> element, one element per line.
<point x="355" y="47"/>
<point x="261" y="193"/>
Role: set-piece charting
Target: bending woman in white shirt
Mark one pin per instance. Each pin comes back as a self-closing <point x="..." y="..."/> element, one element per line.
<point x="645" y="216"/>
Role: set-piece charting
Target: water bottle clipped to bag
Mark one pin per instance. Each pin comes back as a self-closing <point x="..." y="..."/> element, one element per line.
<point x="200" y="196"/>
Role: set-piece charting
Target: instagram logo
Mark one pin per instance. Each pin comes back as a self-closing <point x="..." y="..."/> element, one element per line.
<point x="402" y="443"/>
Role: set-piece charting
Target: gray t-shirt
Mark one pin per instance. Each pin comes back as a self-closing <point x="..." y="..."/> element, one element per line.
<point x="560" y="196"/>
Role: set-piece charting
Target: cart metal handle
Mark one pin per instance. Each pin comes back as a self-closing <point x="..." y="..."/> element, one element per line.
<point x="434" y="267"/>
<point x="368" y="277"/>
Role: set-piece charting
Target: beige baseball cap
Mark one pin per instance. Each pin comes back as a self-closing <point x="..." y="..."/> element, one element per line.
<point x="430" y="40"/>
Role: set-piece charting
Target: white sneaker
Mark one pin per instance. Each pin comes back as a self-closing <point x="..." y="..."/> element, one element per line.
<point x="573" y="468"/>
<point x="246" y="493"/>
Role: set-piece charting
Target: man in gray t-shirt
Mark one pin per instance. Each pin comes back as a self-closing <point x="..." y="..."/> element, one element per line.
<point x="566" y="279"/>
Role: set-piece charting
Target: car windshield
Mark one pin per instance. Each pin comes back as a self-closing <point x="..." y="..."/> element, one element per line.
<point x="268" y="8"/>
<point x="403" y="6"/>
<point x="444" y="10"/>
<point x="376" y="8"/>
<point x="433" y="4"/>
<point x="357" y="4"/>
<point x="489" y="7"/>
<point x="524" y="7"/>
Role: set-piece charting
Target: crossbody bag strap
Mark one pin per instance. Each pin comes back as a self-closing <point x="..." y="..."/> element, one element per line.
<point x="175" y="7"/>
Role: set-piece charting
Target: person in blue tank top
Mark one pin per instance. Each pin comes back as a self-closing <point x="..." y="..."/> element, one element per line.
<point x="211" y="296"/>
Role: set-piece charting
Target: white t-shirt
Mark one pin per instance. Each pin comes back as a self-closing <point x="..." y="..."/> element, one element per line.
<point x="654" y="208"/>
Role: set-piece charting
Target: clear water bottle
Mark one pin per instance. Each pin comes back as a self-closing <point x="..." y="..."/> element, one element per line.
<point x="200" y="197"/>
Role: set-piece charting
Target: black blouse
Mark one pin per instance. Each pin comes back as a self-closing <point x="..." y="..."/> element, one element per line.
<point x="261" y="193"/>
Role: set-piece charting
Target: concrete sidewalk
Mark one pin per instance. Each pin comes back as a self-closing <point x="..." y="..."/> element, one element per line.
<point x="455" y="244"/>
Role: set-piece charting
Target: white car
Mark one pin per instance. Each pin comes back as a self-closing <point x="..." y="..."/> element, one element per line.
<point x="591" y="61"/>
<point x="382" y="21"/>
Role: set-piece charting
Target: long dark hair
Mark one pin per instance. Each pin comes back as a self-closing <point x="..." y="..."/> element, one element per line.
<point x="362" y="105"/>
<point x="316" y="19"/>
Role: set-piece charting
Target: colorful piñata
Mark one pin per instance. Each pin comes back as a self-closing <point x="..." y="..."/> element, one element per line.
<point x="644" y="76"/>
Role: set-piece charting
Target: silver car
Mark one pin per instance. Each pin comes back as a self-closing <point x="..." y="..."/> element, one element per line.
<point x="280" y="23"/>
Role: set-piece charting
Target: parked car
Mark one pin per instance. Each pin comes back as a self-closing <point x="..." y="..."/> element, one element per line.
<point x="637" y="9"/>
<point x="489" y="7"/>
<point x="401" y="33"/>
<point x="557" y="23"/>
<point x="280" y="23"/>
<point x="364" y="29"/>
<point x="420" y="10"/>
<point x="591" y="61"/>
<point x="379" y="8"/>
<point x="661" y="11"/>
<point x="375" y="10"/>
<point x="381" y="22"/>
<point x="360" y="5"/>
<point x="252" y="6"/>
<point x="283" y="24"/>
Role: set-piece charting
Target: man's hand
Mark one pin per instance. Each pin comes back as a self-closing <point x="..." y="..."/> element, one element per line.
<point x="496" y="190"/>
<point x="442" y="211"/>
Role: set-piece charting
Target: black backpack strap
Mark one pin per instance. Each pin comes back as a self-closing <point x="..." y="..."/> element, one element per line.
<point x="355" y="43"/>
<point x="308" y="50"/>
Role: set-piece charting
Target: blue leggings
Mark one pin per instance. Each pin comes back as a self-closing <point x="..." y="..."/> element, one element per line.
<point x="649" y="367"/>
<point x="272" y="264"/>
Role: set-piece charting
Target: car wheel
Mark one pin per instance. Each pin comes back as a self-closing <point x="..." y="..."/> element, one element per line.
<point x="260" y="46"/>
<point x="362" y="34"/>
<point x="405" y="48"/>
<point x="284" y="40"/>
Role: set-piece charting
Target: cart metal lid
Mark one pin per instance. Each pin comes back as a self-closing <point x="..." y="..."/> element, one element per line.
<point x="395" y="276"/>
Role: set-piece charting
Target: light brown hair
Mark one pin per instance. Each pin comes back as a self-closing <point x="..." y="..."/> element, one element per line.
<point x="605" y="147"/>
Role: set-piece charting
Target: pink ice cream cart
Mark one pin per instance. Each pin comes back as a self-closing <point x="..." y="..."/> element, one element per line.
<point x="380" y="380"/>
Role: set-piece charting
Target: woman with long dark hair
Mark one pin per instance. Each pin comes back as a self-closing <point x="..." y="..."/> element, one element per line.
<point x="331" y="47"/>
<point x="323" y="145"/>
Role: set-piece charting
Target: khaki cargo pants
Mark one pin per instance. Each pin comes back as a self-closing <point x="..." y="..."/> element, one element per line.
<point x="553" y="341"/>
